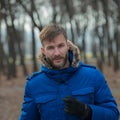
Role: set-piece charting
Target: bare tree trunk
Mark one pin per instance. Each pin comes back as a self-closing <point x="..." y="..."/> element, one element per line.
<point x="72" y="31"/>
<point x="18" y="37"/>
<point x="109" y="41"/>
<point x="1" y="58"/>
<point x="101" y="45"/>
<point x="33" y="41"/>
<point x="1" y="64"/>
<point x="117" y="38"/>
<point x="12" y="54"/>
<point x="84" y="44"/>
<point x="70" y="11"/>
<point x="116" y="54"/>
<point x="53" y="2"/>
<point x="34" y="51"/>
<point x="11" y="57"/>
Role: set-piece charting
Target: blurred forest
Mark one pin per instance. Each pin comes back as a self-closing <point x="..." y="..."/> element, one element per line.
<point x="98" y="18"/>
<point x="93" y="24"/>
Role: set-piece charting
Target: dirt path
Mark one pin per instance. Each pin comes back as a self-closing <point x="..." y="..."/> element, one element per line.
<point x="11" y="97"/>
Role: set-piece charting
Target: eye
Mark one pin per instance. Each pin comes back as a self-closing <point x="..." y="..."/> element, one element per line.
<point x="50" y="48"/>
<point x="61" y="45"/>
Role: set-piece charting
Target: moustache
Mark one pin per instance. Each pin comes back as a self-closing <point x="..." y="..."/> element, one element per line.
<point x="57" y="57"/>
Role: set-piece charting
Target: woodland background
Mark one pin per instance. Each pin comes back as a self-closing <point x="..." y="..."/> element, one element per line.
<point x="93" y="25"/>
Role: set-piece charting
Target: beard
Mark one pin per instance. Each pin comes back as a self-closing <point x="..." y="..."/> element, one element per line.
<point x="57" y="66"/>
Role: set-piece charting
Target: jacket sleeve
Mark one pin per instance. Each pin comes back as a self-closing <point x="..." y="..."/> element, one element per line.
<point x="29" y="109"/>
<point x="105" y="107"/>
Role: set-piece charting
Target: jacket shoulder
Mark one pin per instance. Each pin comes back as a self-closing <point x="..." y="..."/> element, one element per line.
<point x="33" y="75"/>
<point x="88" y="66"/>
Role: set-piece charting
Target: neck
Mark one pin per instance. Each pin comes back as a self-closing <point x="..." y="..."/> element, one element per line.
<point x="66" y="64"/>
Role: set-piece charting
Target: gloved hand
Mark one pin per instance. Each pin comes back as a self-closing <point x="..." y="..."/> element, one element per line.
<point x="75" y="107"/>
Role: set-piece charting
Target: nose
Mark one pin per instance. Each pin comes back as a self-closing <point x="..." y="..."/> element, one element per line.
<point x="56" y="51"/>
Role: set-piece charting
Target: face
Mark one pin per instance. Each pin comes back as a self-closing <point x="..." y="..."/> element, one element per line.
<point x="56" y="52"/>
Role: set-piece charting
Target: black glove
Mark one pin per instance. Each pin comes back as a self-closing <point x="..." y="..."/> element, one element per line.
<point x="77" y="108"/>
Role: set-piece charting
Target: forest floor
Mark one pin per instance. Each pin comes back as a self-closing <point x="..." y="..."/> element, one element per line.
<point x="12" y="91"/>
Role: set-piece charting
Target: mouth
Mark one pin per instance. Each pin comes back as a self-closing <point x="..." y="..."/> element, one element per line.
<point x="57" y="60"/>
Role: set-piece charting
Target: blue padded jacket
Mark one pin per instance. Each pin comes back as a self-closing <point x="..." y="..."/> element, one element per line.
<point x="45" y="90"/>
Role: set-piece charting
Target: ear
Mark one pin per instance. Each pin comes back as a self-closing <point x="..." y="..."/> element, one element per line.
<point x="42" y="50"/>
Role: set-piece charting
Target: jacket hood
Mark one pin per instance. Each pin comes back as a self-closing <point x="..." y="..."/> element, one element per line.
<point x="61" y="75"/>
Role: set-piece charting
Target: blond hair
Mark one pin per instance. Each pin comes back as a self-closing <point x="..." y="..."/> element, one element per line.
<point x="49" y="32"/>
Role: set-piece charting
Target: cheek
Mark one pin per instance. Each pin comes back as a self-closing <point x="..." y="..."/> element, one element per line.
<point x="65" y="51"/>
<point x="48" y="53"/>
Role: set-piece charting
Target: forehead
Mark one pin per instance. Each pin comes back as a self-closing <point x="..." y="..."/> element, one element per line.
<point x="55" y="41"/>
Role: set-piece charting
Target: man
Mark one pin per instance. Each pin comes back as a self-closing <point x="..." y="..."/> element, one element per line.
<point x="64" y="89"/>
